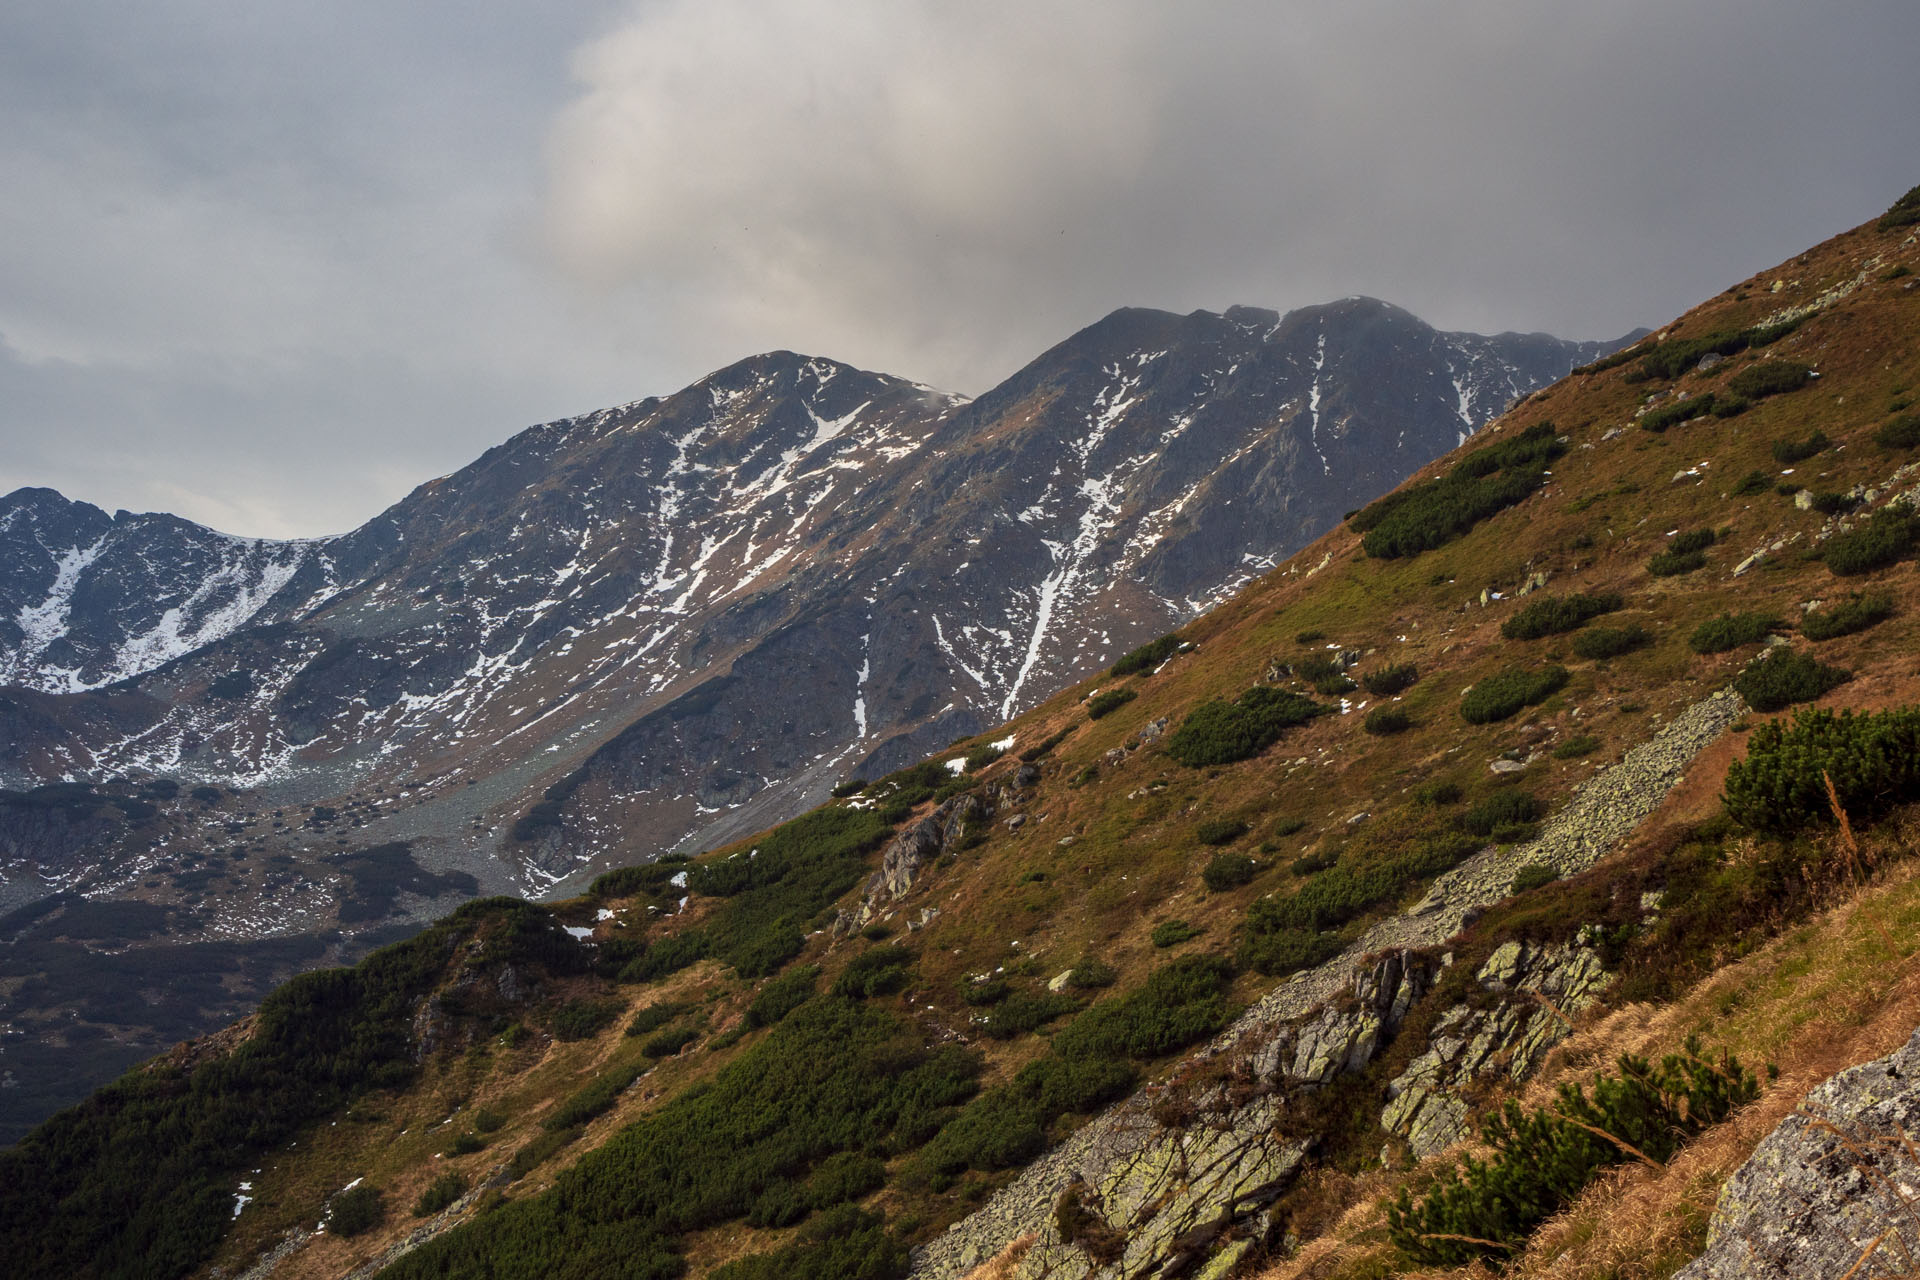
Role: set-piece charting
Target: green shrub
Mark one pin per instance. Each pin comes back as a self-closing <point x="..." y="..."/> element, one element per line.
<point x="1226" y="871"/>
<point x="1573" y="748"/>
<point x="1534" y="875"/>
<point x="1312" y="635"/>
<point x="1730" y="631"/>
<point x="1672" y="415"/>
<point x="1770" y="378"/>
<point x="1184" y="1001"/>
<point x="1886" y="538"/>
<point x="877" y="971"/>
<point x="1905" y="212"/>
<point x="1751" y="483"/>
<point x="1502" y="810"/>
<point x="849" y="787"/>
<point x="844" y="1177"/>
<point x="1433" y="513"/>
<point x="1355" y="884"/>
<point x="1171" y="933"/>
<point x="657" y="1015"/>
<point x="487" y="1120"/>
<point x="1288" y="826"/>
<point x="1027" y="1011"/>
<point x="1147" y="656"/>
<point x="1087" y="1066"/>
<point x="539" y="1150"/>
<point x="595" y="1099"/>
<point x="1901" y="433"/>
<point x="1091" y="974"/>
<point x="1856" y="613"/>
<point x="1598" y="643"/>
<point x="1042" y="750"/>
<point x="1873" y="759"/>
<point x="1728" y="405"/>
<point x="984" y="991"/>
<point x="1788" y="452"/>
<point x="1309" y="863"/>
<point x="466" y="1144"/>
<point x="1104" y="704"/>
<point x="1544" y="1158"/>
<point x="1443" y="792"/>
<point x="1389" y="680"/>
<point x="666" y="1044"/>
<point x="783" y="995"/>
<point x="440" y="1193"/>
<point x="1672" y="564"/>
<point x="1384" y="722"/>
<point x="1503" y="694"/>
<point x="1834" y="503"/>
<point x="1551" y="615"/>
<point x="1785" y="677"/>
<point x="583" y="1019"/>
<point x="355" y="1211"/>
<point x="982" y="756"/>
<point x="1286" y="949"/>
<point x="1217" y="732"/>
<point x="1220" y="831"/>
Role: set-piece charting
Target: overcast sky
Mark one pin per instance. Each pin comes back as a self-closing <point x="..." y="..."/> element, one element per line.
<point x="269" y="265"/>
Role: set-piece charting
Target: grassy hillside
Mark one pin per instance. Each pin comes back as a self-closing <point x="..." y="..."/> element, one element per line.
<point x="761" y="1064"/>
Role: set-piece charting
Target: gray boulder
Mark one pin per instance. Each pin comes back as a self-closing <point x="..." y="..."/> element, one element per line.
<point x="1830" y="1192"/>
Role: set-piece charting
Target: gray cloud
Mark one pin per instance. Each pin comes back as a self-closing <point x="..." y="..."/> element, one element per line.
<point x="271" y="268"/>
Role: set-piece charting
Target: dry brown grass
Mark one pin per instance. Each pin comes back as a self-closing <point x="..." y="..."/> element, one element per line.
<point x="1001" y="1265"/>
<point x="1826" y="996"/>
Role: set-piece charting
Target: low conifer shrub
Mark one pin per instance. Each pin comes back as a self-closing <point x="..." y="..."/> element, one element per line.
<point x="440" y="1193"/>
<point x="1220" y="831"/>
<point x="1219" y="732"/>
<point x="1107" y="702"/>
<point x="1389" y="680"/>
<point x="1872" y="758"/>
<point x="1887" y="538"/>
<point x="355" y="1211"/>
<point x="1171" y="933"/>
<point x="1505" y="693"/>
<point x="1226" y="871"/>
<point x="1385" y="721"/>
<point x="1730" y="631"/>
<point x="1856" y="613"/>
<point x="1551" y="615"/>
<point x="1901" y="433"/>
<point x="1788" y="452"/>
<point x="1485" y="482"/>
<point x="1544" y="1158"/>
<point x="1785" y="677"/>
<point x="1147" y="656"/>
<point x="1770" y="378"/>
<point x="1598" y="643"/>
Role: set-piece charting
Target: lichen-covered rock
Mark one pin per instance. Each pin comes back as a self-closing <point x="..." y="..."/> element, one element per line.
<point x="1838" y="1175"/>
<point x="909" y="852"/>
<point x="1543" y="988"/>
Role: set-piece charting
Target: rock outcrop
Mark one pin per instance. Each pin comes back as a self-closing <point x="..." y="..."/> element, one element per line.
<point x="1830" y="1193"/>
<point x="1331" y="1019"/>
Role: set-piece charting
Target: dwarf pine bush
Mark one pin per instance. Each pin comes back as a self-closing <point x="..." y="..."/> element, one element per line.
<point x="1781" y="787"/>
<point x="1505" y="693"/>
<point x="1545" y="1157"/>
<point x="1551" y="615"/>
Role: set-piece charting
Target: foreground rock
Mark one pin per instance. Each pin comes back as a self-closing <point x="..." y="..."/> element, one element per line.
<point x="1830" y="1192"/>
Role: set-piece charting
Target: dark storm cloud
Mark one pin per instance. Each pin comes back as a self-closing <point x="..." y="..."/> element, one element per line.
<point x="269" y="266"/>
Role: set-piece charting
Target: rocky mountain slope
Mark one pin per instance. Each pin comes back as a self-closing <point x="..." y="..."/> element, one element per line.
<point x="661" y="625"/>
<point x="1206" y="964"/>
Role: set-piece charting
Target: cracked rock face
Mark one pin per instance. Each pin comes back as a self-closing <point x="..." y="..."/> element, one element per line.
<point x="1836" y="1176"/>
<point x="1543" y="988"/>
